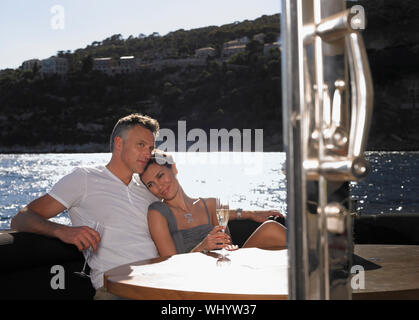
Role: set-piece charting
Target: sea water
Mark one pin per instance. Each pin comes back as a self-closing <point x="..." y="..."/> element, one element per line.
<point x="253" y="181"/>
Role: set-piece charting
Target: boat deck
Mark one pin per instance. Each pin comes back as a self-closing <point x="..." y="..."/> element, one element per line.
<point x="391" y="272"/>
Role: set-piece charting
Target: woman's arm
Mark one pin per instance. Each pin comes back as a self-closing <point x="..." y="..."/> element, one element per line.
<point x="159" y="230"/>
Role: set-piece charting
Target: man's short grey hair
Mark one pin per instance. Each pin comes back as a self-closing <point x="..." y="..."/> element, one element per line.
<point x="126" y="123"/>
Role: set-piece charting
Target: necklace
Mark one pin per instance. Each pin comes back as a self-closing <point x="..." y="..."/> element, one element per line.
<point x="188" y="215"/>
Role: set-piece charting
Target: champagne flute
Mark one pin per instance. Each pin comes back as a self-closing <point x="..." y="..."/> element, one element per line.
<point x="88" y="253"/>
<point x="222" y="211"/>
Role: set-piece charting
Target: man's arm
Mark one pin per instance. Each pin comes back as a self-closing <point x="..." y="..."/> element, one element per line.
<point x="258" y="215"/>
<point x="34" y="218"/>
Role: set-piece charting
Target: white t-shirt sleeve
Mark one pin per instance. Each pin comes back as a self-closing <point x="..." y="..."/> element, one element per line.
<point x="70" y="189"/>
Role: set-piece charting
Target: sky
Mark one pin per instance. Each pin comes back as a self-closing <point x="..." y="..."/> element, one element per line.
<point x="39" y="28"/>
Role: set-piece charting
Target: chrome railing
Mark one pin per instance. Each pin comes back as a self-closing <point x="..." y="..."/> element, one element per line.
<point x="325" y="137"/>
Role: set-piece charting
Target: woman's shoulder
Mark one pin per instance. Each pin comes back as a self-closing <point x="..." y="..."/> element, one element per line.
<point x="157" y="206"/>
<point x="210" y="202"/>
<point x="158" y="212"/>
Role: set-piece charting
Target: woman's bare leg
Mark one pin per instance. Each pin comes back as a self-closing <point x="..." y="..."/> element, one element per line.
<point x="269" y="234"/>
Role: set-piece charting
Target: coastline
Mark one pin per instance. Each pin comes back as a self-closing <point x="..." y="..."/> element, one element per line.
<point x="56" y="148"/>
<point x="104" y="148"/>
<point x="391" y="188"/>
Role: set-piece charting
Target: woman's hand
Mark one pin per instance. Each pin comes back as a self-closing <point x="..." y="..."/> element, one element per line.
<point x="216" y="239"/>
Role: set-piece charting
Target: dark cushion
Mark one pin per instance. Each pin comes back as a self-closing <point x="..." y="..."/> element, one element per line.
<point x="387" y="229"/>
<point x="28" y="250"/>
<point x="35" y="284"/>
<point x="26" y="268"/>
<point x="240" y="230"/>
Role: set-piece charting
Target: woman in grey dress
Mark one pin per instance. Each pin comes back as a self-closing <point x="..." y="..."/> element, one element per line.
<point x="180" y="224"/>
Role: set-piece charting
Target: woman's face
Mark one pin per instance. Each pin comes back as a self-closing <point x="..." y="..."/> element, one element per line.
<point x="161" y="181"/>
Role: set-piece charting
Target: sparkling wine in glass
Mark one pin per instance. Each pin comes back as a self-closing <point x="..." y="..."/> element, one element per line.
<point x="222" y="209"/>
<point x="222" y="217"/>
<point x="223" y="212"/>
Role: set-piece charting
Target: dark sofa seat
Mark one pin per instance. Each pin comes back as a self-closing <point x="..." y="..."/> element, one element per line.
<point x="397" y="229"/>
<point x="26" y="268"/>
<point x="240" y="230"/>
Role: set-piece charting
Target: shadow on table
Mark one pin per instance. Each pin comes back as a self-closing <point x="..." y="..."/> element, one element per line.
<point x="366" y="264"/>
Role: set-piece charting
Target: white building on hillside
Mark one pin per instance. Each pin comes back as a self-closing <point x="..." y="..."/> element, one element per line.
<point x="229" y="51"/>
<point x="30" y="64"/>
<point x="54" y="65"/>
<point x="236" y="42"/>
<point x="127" y="64"/>
<point x="103" y="65"/>
<point x="234" y="46"/>
<point x="269" y="46"/>
<point x="203" y="53"/>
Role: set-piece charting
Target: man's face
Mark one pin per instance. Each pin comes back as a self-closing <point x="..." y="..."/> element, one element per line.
<point x="137" y="145"/>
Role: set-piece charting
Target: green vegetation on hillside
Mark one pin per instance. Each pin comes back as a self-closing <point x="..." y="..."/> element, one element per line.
<point x="243" y="91"/>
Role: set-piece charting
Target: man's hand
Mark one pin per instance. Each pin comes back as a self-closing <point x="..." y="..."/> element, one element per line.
<point x="263" y="215"/>
<point x="82" y="237"/>
<point x="35" y="216"/>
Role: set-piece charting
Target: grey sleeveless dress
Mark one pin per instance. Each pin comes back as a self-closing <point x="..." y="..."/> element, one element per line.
<point x="187" y="239"/>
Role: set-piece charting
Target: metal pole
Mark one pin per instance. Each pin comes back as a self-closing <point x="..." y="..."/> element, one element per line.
<point x="292" y="93"/>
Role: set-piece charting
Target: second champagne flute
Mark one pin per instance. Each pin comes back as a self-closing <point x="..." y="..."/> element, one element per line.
<point x="89" y="252"/>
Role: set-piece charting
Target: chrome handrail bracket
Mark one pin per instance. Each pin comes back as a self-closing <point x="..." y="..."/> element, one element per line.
<point x="327" y="106"/>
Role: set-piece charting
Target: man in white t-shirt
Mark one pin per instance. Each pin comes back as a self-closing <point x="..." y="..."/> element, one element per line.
<point x="112" y="195"/>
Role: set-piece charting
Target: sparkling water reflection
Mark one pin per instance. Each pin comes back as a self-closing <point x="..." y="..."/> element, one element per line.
<point x="254" y="181"/>
<point x="392" y="186"/>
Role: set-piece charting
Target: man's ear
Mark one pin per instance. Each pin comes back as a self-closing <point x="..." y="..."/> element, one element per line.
<point x="117" y="143"/>
<point x="174" y="169"/>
